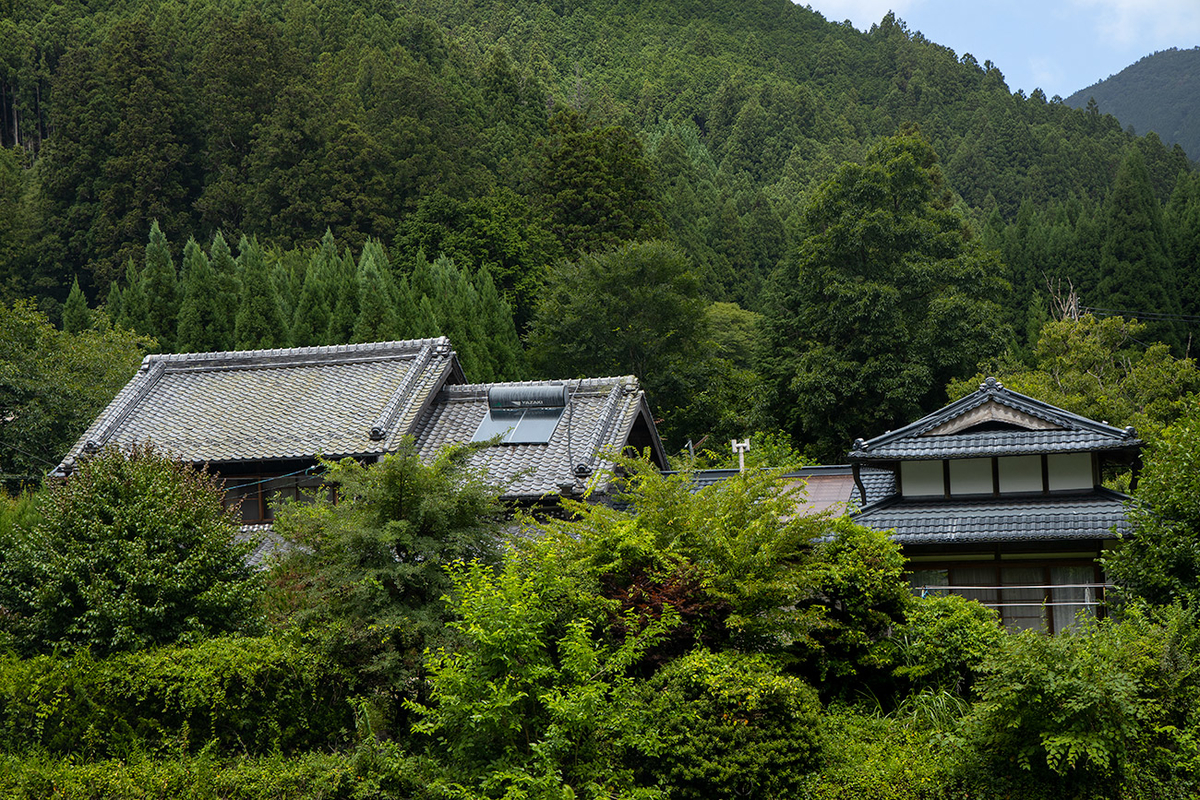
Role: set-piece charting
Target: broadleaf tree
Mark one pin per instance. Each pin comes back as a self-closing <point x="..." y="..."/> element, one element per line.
<point x="134" y="549"/>
<point x="371" y="575"/>
<point x="887" y="297"/>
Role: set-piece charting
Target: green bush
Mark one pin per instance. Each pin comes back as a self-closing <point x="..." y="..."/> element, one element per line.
<point x="238" y="695"/>
<point x="1159" y="561"/>
<point x="536" y="701"/>
<point x="872" y="757"/>
<point x="357" y="775"/>
<point x="370" y="579"/>
<point x="133" y="550"/>
<point x="1066" y="709"/>
<point x="1107" y="709"/>
<point x="1163" y="645"/>
<point x="729" y="725"/>
<point x="855" y="580"/>
<point x="944" y="642"/>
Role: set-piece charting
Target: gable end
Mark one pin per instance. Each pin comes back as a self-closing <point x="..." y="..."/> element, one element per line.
<point x="992" y="412"/>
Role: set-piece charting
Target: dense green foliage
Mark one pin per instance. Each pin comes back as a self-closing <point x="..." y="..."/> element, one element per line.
<point x="52" y="385"/>
<point x="637" y="655"/>
<point x="1100" y="369"/>
<point x="1103" y="710"/>
<point x="728" y="724"/>
<point x="712" y="643"/>
<point x="310" y="776"/>
<point x="1160" y="559"/>
<point x="488" y="144"/>
<point x="712" y="196"/>
<point x="1157" y="93"/>
<point x="135" y="550"/>
<point x="887" y="298"/>
<point x="943" y="643"/>
<point x="279" y="120"/>
<point x="370" y="577"/>
<point x="234" y="695"/>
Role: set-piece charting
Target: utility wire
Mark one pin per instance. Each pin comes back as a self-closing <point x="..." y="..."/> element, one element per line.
<point x="272" y="478"/>
<point x="1153" y="316"/>
<point x="43" y="459"/>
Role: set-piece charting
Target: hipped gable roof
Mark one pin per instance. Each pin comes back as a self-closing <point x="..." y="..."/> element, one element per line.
<point x="602" y="415"/>
<point x="1013" y="424"/>
<point x="256" y="405"/>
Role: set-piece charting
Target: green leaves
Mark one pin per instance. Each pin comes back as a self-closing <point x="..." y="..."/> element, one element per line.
<point x="595" y="185"/>
<point x="371" y="574"/>
<point x="1101" y="369"/>
<point x="1071" y="707"/>
<point x="52" y="386"/>
<point x="727" y="724"/>
<point x="1159" y="561"/>
<point x="536" y="696"/>
<point x="636" y="309"/>
<point x="134" y="550"/>
<point x="885" y="298"/>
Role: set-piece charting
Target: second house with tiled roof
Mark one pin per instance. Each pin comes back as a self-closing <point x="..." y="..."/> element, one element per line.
<point x="999" y="497"/>
<point x="260" y="419"/>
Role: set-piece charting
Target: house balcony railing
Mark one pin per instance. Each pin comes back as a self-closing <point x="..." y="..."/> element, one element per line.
<point x="1052" y="606"/>
<point x="1090" y="591"/>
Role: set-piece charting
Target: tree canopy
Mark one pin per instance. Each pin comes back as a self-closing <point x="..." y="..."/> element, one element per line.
<point x="887" y="297"/>
<point x="52" y="386"/>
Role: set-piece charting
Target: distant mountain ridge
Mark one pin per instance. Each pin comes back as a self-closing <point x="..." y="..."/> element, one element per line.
<point x="1159" y="93"/>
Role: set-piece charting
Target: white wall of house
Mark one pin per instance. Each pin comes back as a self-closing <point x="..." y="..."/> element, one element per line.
<point x="1020" y="474"/>
<point x="1070" y="471"/>
<point x="971" y="476"/>
<point x="1015" y="474"/>
<point x="922" y="479"/>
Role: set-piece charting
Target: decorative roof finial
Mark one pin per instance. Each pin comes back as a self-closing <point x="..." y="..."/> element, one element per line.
<point x="991" y="385"/>
<point x="859" y="444"/>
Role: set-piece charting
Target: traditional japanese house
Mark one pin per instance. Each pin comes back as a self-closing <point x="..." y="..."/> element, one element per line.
<point x="998" y="497"/>
<point x="260" y="419"/>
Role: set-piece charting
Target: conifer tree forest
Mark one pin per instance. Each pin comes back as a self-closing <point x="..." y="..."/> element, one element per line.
<point x="784" y="226"/>
<point x="355" y="171"/>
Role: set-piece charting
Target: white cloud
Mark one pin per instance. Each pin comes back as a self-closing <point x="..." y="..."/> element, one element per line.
<point x="1045" y="71"/>
<point x="863" y="13"/>
<point x="1143" y="25"/>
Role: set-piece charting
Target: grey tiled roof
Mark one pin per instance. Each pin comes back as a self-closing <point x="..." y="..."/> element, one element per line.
<point x="269" y="546"/>
<point x="825" y="479"/>
<point x="1088" y="515"/>
<point x="600" y="416"/>
<point x="1067" y="433"/>
<point x="276" y="404"/>
<point x="879" y="483"/>
<point x="703" y="478"/>
<point x="994" y="443"/>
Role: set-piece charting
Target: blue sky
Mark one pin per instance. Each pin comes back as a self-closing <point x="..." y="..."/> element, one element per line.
<point x="1060" y="46"/>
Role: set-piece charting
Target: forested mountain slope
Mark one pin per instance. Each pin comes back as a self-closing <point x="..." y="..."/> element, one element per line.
<point x="1159" y="93"/>
<point x="510" y="138"/>
<point x="281" y="120"/>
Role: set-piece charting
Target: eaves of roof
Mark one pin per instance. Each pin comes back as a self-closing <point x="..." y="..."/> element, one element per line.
<point x="1094" y="514"/>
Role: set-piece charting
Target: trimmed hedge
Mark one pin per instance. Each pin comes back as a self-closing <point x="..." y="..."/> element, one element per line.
<point x="366" y="773"/>
<point x="230" y="695"/>
<point x="309" y="776"/>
